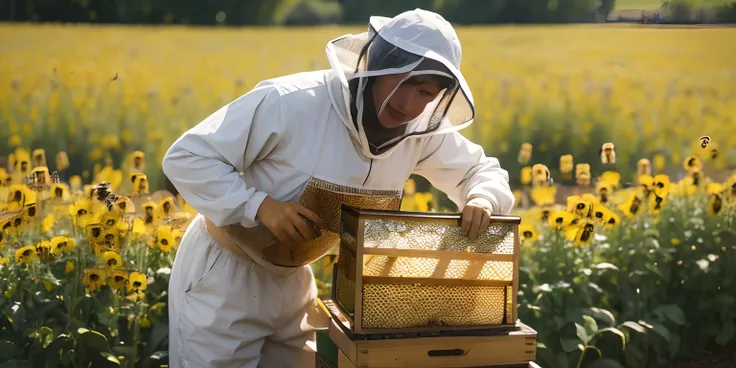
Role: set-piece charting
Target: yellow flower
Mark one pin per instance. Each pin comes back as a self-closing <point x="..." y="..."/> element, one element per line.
<point x="164" y="238"/>
<point x="15" y="141"/>
<point x="145" y="322"/>
<point x="149" y="213"/>
<point x="582" y="233"/>
<point x="117" y="278"/>
<point x="4" y="260"/>
<point x="542" y="195"/>
<point x="579" y="206"/>
<point x="646" y="182"/>
<point x="165" y="207"/>
<point x="656" y="204"/>
<point x="137" y="283"/>
<point x="39" y="157"/>
<point x="715" y="188"/>
<point x="604" y="189"/>
<point x="410" y="187"/>
<point x="612" y="178"/>
<point x="93" y="279"/>
<point x="661" y="185"/>
<point x="561" y="220"/>
<point x="140" y="184"/>
<point x="48" y="223"/>
<point x="692" y="163"/>
<point x="69" y="267"/>
<point x="26" y="254"/>
<point x="526" y="175"/>
<point x="715" y="204"/>
<point x="46" y="252"/>
<point x="541" y="175"/>
<point x="632" y="206"/>
<point x="137" y="161"/>
<point x="422" y="201"/>
<point x="566" y="164"/>
<point x="528" y="233"/>
<point x="112" y="260"/>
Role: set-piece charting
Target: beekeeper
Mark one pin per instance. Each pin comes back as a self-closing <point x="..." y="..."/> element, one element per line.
<point x="268" y="171"/>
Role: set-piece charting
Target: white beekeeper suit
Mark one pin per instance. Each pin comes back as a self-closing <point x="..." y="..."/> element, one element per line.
<point x="239" y="307"/>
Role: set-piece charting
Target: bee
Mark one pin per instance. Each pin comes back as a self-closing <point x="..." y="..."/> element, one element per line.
<point x="704" y="141"/>
<point x="607" y="153"/>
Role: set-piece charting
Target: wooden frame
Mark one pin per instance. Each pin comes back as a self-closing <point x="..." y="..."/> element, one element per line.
<point x="353" y="221"/>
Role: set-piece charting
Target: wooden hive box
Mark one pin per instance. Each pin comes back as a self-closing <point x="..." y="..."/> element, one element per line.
<point x="471" y="348"/>
<point x="411" y="272"/>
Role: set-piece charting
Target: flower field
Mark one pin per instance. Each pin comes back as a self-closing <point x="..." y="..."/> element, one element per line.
<point x="628" y="222"/>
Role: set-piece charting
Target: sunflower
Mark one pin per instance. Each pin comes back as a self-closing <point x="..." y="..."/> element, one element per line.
<point x="656" y="204"/>
<point x="579" y="206"/>
<point x="692" y="163"/>
<point x="528" y="233"/>
<point x="137" y="283"/>
<point x="561" y="220"/>
<point x="164" y="239"/>
<point x="632" y="206"/>
<point x="112" y="260"/>
<point x="582" y="233"/>
<point x="46" y="253"/>
<point x="117" y="279"/>
<point x="715" y="204"/>
<point x="26" y="254"/>
<point x="661" y="185"/>
<point x="543" y="195"/>
<point x="93" y="279"/>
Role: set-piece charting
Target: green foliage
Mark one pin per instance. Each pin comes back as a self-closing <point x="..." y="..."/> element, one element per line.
<point x="656" y="289"/>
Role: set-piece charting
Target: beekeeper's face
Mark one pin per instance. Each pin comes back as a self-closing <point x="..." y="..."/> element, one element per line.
<point x="409" y="100"/>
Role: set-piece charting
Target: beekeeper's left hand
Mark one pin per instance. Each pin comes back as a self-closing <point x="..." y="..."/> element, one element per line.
<point x="476" y="217"/>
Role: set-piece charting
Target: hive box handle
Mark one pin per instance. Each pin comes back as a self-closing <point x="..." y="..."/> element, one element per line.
<point x="448" y="352"/>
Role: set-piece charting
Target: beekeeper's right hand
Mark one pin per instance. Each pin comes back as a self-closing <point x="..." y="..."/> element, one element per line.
<point x="285" y="222"/>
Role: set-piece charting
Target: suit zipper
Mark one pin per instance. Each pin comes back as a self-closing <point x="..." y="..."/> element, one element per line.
<point x="369" y="172"/>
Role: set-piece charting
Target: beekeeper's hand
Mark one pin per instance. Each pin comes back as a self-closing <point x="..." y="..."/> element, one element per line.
<point x="476" y="217"/>
<point x="285" y="221"/>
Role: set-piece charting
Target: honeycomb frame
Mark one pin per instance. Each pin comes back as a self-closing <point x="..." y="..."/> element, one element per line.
<point x="388" y="280"/>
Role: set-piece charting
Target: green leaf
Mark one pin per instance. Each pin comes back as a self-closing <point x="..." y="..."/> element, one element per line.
<point x="541" y="345"/>
<point x="605" y="363"/>
<point x="110" y="357"/>
<point x="601" y="314"/>
<point x="662" y="331"/>
<point x="582" y="333"/>
<point x="634" y="326"/>
<point x="606" y="266"/>
<point x="725" y="299"/>
<point x="726" y="333"/>
<point x="93" y="339"/>
<point x="673" y="312"/>
<point x="591" y="327"/>
<point x="569" y="344"/>
<point x="617" y="332"/>
<point x="8" y="351"/>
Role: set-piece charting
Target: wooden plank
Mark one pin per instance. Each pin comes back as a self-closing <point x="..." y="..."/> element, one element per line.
<point x="515" y="277"/>
<point x="428" y="281"/>
<point x="454" y="351"/>
<point x="358" y="319"/>
<point x="346" y="324"/>
<point x="441" y="254"/>
<point x="343" y="361"/>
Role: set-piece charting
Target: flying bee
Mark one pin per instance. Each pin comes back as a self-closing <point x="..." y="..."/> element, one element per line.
<point x="704" y="141"/>
<point x="607" y="153"/>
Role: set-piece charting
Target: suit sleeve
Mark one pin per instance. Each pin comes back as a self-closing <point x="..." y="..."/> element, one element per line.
<point x="206" y="162"/>
<point x="460" y="168"/>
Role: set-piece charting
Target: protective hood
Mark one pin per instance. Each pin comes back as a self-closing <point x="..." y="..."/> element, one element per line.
<point x="415" y="42"/>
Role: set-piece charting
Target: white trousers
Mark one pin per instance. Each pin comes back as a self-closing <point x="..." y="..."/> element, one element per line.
<point x="227" y="311"/>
